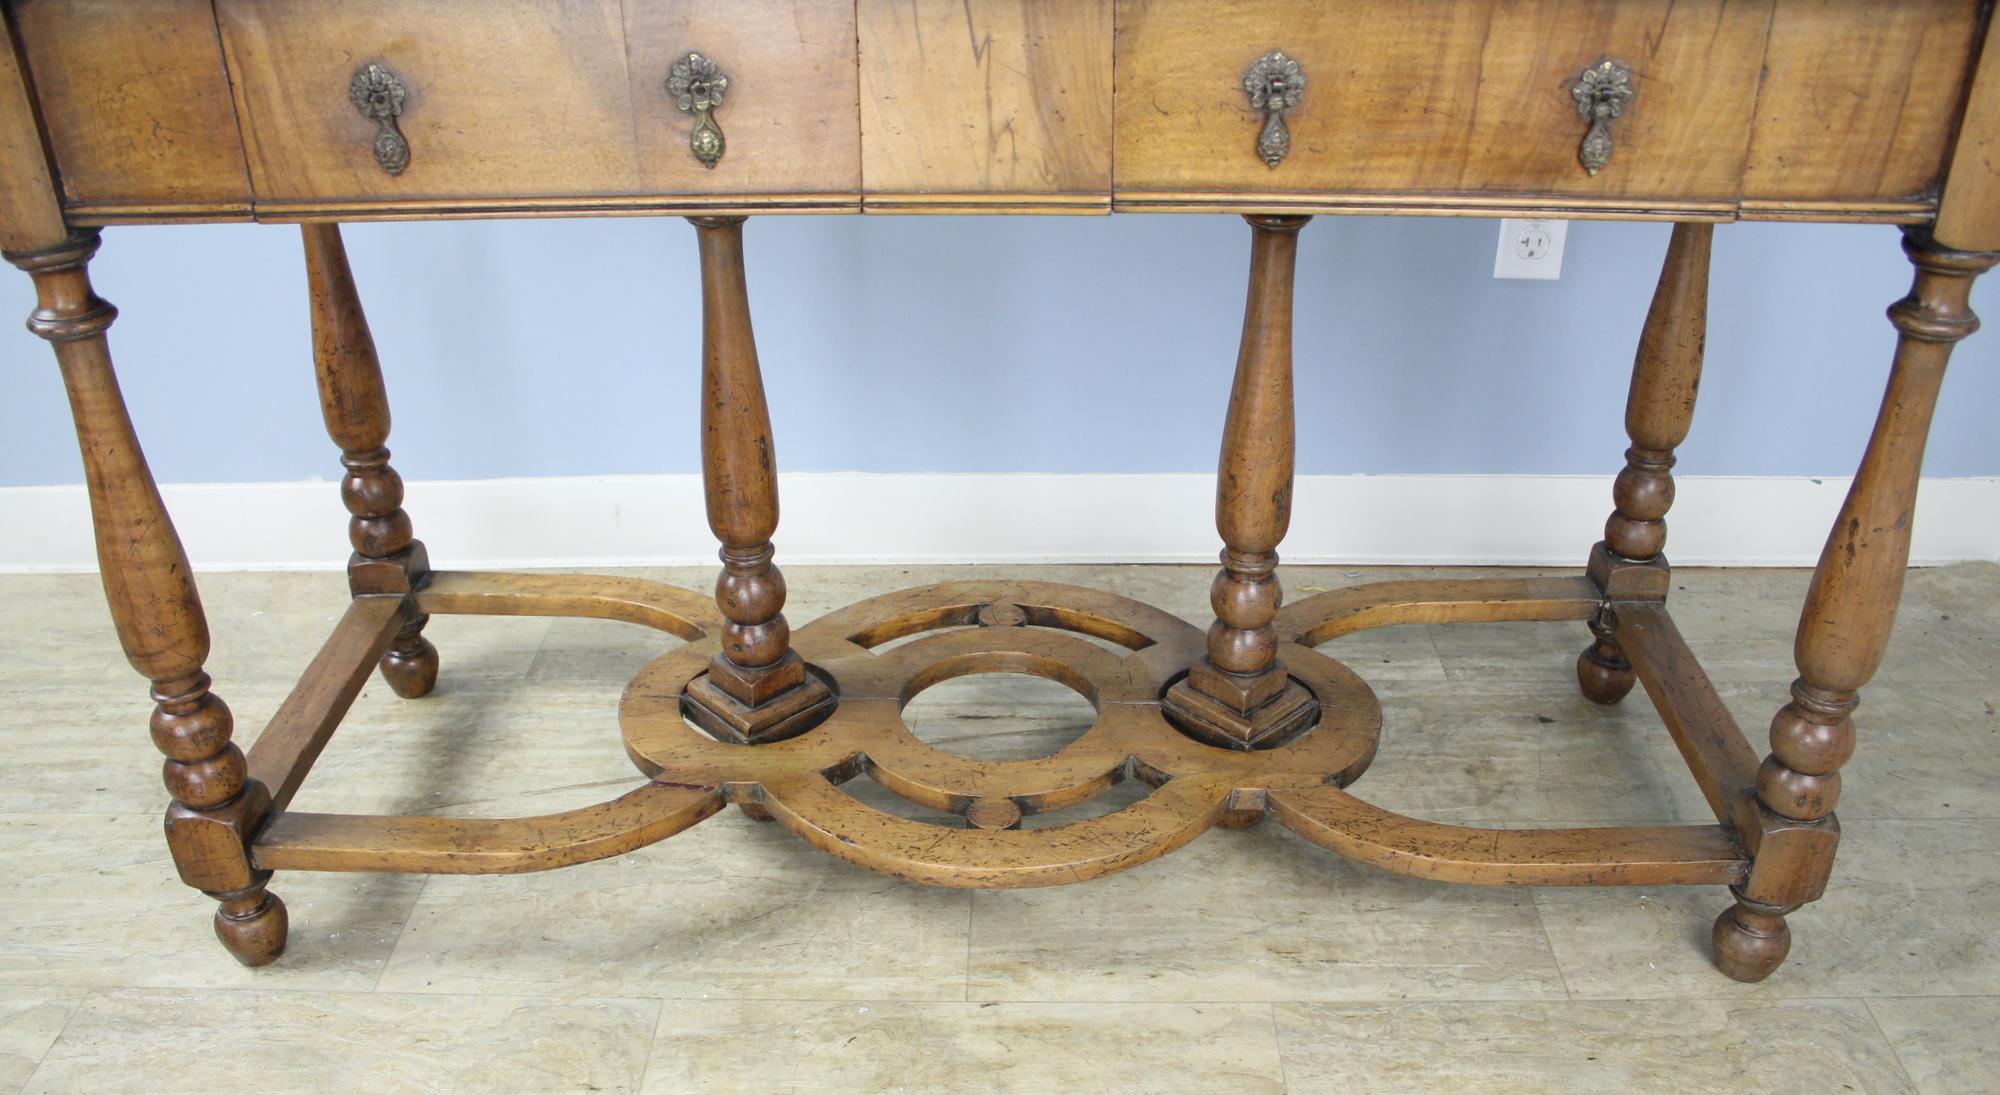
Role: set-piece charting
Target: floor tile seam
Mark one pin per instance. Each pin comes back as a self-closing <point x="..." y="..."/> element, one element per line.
<point x="76" y="1008"/>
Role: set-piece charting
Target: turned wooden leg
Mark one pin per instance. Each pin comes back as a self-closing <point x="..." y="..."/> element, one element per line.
<point x="157" y="613"/>
<point x="1238" y="695"/>
<point x="757" y="689"/>
<point x="1844" y="629"/>
<point x="1666" y="373"/>
<point x="387" y="557"/>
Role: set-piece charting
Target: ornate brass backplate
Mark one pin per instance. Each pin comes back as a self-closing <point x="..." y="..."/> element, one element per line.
<point x="1602" y="92"/>
<point x="379" y="95"/>
<point x="1274" y="83"/>
<point x="961" y="628"/>
<point x="697" y="84"/>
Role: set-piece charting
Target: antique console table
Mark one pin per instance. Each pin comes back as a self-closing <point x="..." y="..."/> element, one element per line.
<point x="1697" y="112"/>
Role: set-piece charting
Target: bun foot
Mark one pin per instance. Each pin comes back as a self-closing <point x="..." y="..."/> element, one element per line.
<point x="1604" y="677"/>
<point x="411" y="670"/>
<point x="252" y="926"/>
<point x="1752" y="940"/>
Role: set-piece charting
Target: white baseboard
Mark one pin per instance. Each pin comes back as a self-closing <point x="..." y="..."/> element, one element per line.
<point x="924" y="518"/>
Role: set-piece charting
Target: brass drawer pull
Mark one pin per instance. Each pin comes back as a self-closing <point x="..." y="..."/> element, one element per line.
<point x="378" y="95"/>
<point x="697" y="84"/>
<point x="1274" y="83"/>
<point x="1602" y="93"/>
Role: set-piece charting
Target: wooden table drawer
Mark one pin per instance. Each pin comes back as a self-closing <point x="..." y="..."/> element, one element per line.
<point x="789" y="117"/>
<point x="986" y="105"/>
<point x="1451" y="99"/>
<point x="504" y="97"/>
<point x="1858" y="104"/>
<point x="136" y="103"/>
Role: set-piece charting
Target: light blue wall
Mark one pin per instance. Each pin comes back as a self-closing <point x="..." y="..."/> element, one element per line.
<point x="998" y="344"/>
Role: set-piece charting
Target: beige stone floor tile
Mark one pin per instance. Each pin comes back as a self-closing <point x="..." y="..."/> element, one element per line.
<point x="1929" y="750"/>
<point x="78" y="752"/>
<point x="1949" y="626"/>
<point x="30" y="1019"/>
<point x="148" y="1041"/>
<point x="1258" y="915"/>
<point x="271" y="639"/>
<point x="1738" y="603"/>
<point x="1389" y="655"/>
<point x="1615" y="1047"/>
<point x="56" y="659"/>
<point x="471" y="746"/>
<point x="597" y="652"/>
<point x="86" y="749"/>
<point x="69" y="642"/>
<point x="1924" y="751"/>
<point x="1484" y="726"/>
<point x="1975" y="703"/>
<point x="267" y="624"/>
<point x="1527" y="652"/>
<point x="1498" y="752"/>
<point x="998" y="716"/>
<point x="1484" y="751"/>
<point x="1946" y="1044"/>
<point x="486" y="647"/>
<point x="94" y="900"/>
<point x="1745" y="661"/>
<point x="1971" y="591"/>
<point x="841" y="1048"/>
<point x="730" y="908"/>
<point x="1908" y="912"/>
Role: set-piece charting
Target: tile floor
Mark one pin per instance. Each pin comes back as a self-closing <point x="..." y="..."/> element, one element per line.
<point x="734" y="958"/>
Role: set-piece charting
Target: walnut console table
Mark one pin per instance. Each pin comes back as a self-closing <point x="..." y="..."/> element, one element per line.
<point x="1697" y="112"/>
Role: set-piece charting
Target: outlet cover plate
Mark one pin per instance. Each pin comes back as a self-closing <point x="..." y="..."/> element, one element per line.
<point x="1530" y="249"/>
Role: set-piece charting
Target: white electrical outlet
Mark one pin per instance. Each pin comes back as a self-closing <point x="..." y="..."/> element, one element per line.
<point x="1530" y="249"/>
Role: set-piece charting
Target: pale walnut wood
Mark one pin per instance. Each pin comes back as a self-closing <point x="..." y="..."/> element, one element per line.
<point x="505" y="97"/>
<point x="678" y="612"/>
<point x="293" y="739"/>
<point x="529" y="107"/>
<point x="532" y="107"/>
<point x="157" y="613"/>
<point x="1004" y="102"/>
<point x="1237" y="696"/>
<point x="788" y="116"/>
<point x="1702" y="728"/>
<point x="137" y="105"/>
<point x="1682" y="855"/>
<point x="31" y="217"/>
<point x="355" y="404"/>
<point x="1968" y="217"/>
<point x="756" y="687"/>
<point x="1659" y="407"/>
<point x="449" y="845"/>
<point x="1458" y="98"/>
<point x="1857" y="99"/>
<point x="1844" y="628"/>
<point x="1022" y="627"/>
<point x="1324" y="617"/>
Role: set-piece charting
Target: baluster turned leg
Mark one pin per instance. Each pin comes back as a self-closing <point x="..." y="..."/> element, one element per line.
<point x="1238" y="695"/>
<point x="157" y="613"/>
<point x="757" y="689"/>
<point x="1627" y="564"/>
<point x="1844" y="629"/>
<point x="387" y="557"/>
